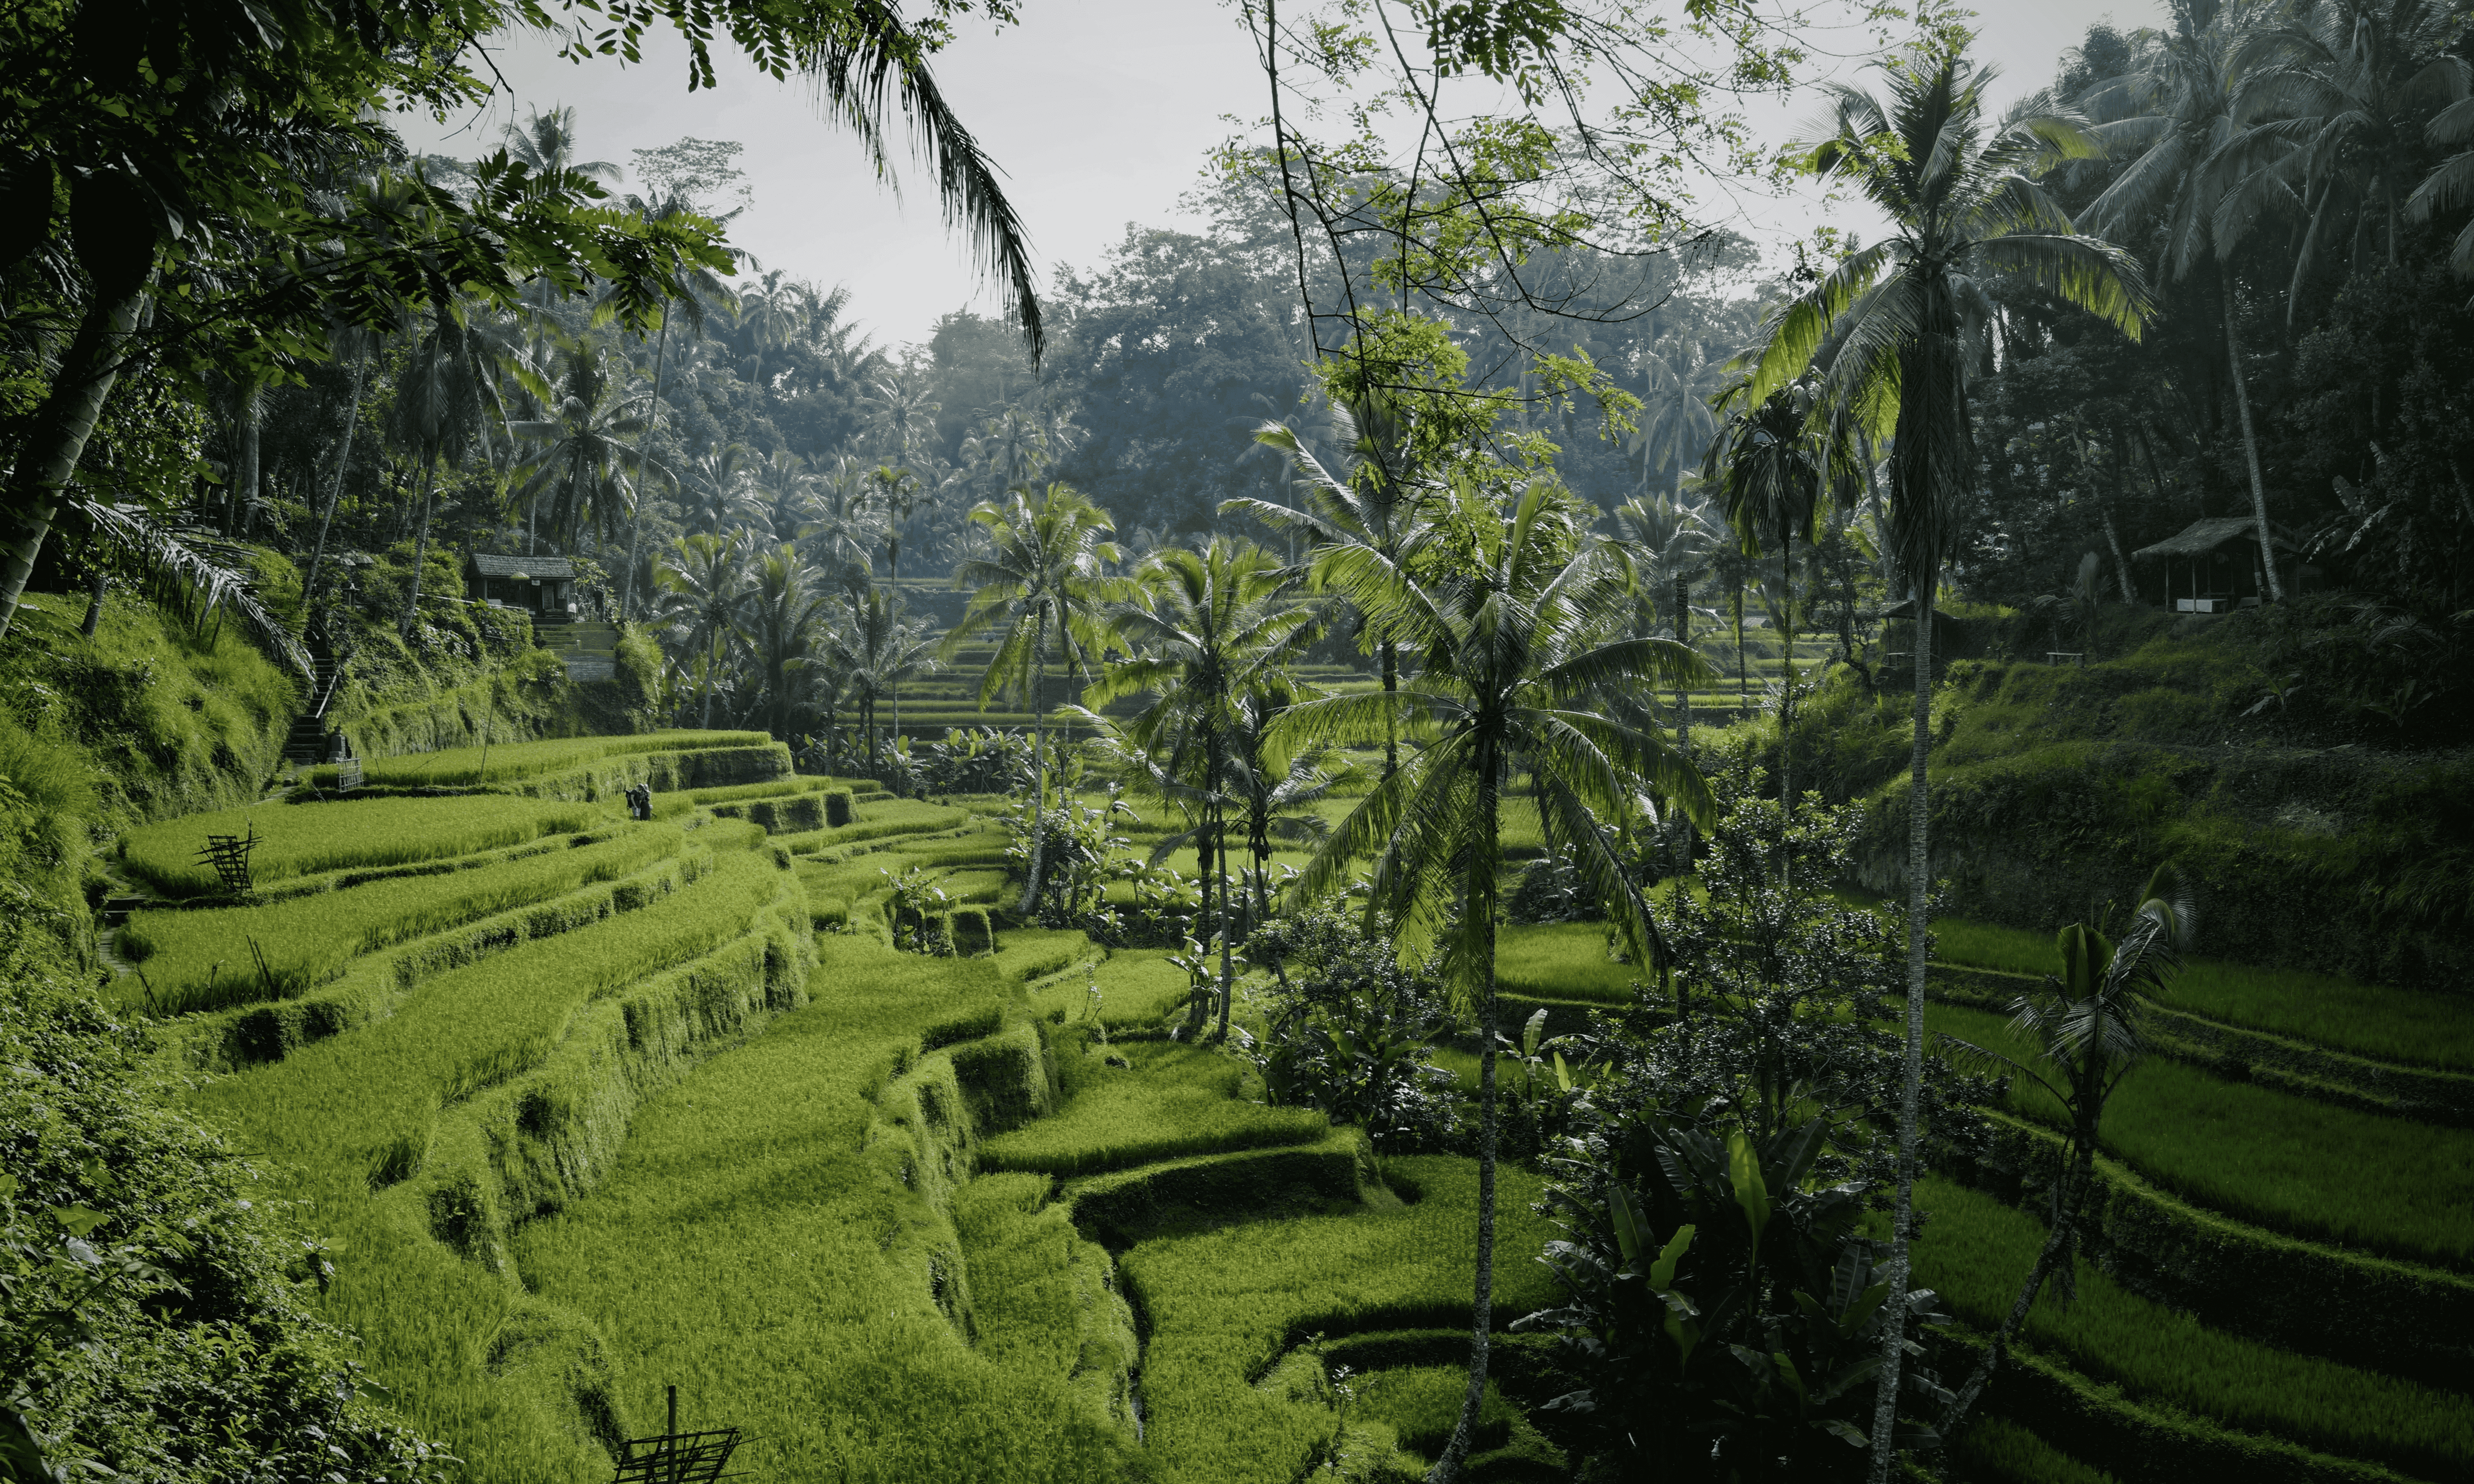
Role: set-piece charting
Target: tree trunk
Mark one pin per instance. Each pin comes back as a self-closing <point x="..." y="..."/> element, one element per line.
<point x="2104" y="507"/>
<point x="1787" y="702"/>
<point x="1683" y="718"/>
<point x="96" y="587"/>
<point x="643" y="445"/>
<point x="335" y="495"/>
<point x="243" y="495"/>
<point x="1482" y="1314"/>
<point x="1227" y="974"/>
<point x="2250" y="446"/>
<point x="56" y="438"/>
<point x="2120" y="563"/>
<point x="420" y="547"/>
<point x="1893" y="1314"/>
<point x="1390" y="658"/>
<point x="1038" y="759"/>
<point x="1743" y="672"/>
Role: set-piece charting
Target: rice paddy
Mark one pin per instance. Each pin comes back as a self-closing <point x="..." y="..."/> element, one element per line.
<point x="1976" y="1250"/>
<point x="2388" y="1185"/>
<point x="2413" y="1027"/>
<point x="902" y="1217"/>
<point x="298" y="840"/>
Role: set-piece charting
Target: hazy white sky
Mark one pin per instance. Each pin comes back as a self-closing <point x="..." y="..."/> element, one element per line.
<point x="1100" y="112"/>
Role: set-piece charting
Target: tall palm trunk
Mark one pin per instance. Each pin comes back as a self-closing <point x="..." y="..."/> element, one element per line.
<point x="1684" y="717"/>
<point x="1786" y="702"/>
<point x="1482" y="1306"/>
<point x="1227" y="976"/>
<point x="1038" y="760"/>
<point x="2250" y="443"/>
<point x="420" y="546"/>
<point x="1893" y="1320"/>
<point x="335" y="493"/>
<point x="246" y="417"/>
<point x="57" y="439"/>
<point x="1390" y="658"/>
<point x="643" y="445"/>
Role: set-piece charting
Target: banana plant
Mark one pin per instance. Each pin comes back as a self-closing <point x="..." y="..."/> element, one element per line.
<point x="1722" y="1310"/>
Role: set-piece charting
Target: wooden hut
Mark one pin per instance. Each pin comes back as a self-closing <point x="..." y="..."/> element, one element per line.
<point x="543" y="587"/>
<point x="2212" y="566"/>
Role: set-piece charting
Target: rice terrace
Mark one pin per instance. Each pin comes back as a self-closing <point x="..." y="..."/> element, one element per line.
<point x="1559" y="740"/>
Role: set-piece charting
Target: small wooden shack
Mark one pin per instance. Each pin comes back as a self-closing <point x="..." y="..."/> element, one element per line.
<point x="543" y="587"/>
<point x="2212" y="566"/>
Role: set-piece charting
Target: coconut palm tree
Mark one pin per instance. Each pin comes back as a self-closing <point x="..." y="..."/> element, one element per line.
<point x="2332" y="101"/>
<point x="1767" y="467"/>
<point x="1043" y="583"/>
<point x="1380" y="506"/>
<point x="580" y="448"/>
<point x="1667" y="543"/>
<point x="783" y="614"/>
<point x="874" y="650"/>
<point x="1963" y="200"/>
<point x="446" y="399"/>
<point x="2171" y="118"/>
<point x="704" y="591"/>
<point x="1509" y="629"/>
<point x="2451" y="182"/>
<point x="2088" y="1029"/>
<point x="1206" y="629"/>
<point x="840" y="533"/>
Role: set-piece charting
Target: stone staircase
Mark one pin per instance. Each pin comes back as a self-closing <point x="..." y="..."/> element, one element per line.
<point x="589" y="648"/>
<point x="308" y="740"/>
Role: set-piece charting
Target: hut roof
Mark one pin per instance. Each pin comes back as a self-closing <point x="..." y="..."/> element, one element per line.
<point x="2201" y="536"/>
<point x="489" y="566"/>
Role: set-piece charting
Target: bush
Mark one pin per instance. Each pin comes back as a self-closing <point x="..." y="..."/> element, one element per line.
<point x="837" y="809"/>
<point x="973" y="933"/>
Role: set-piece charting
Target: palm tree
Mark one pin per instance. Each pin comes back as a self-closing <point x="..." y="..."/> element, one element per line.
<point x="902" y="414"/>
<point x="715" y="492"/>
<point x="1278" y="785"/>
<point x="783" y="614"/>
<point x="782" y="487"/>
<point x="1676" y="423"/>
<point x="874" y="650"/>
<point x="1962" y="200"/>
<point x="1508" y="631"/>
<point x="1667" y="543"/>
<point x="2179" y="98"/>
<point x="1767" y="467"/>
<point x="1043" y="582"/>
<point x="2088" y="1028"/>
<point x="1379" y="507"/>
<point x="580" y="448"/>
<point x="1206" y="629"/>
<point x="688" y="292"/>
<point x="704" y="589"/>
<point x="896" y="491"/>
<point x="2451" y="182"/>
<point x="839" y="533"/>
<point x="445" y="397"/>
<point x="2332" y="101"/>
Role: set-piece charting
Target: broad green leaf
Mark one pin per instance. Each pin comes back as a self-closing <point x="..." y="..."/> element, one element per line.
<point x="1662" y="1273"/>
<point x="78" y="1219"/>
<point x="1629" y="1235"/>
<point x="1744" y="1170"/>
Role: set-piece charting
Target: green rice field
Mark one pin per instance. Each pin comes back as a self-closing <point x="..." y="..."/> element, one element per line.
<point x="298" y="840"/>
<point x="602" y="1107"/>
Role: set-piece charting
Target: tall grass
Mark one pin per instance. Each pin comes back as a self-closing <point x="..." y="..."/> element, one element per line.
<point x="296" y="840"/>
<point x="462" y="766"/>
<point x="1173" y="1100"/>
<point x="2388" y="1185"/>
<point x="1225" y="1303"/>
<point x="1138" y="987"/>
<point x="1977" y="1250"/>
<point x="2399" y="1025"/>
<point x="202" y="959"/>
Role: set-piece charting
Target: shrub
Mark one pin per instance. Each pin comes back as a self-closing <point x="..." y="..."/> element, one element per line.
<point x="973" y="934"/>
<point x="837" y="809"/>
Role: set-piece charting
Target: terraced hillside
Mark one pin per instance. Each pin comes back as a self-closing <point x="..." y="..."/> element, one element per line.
<point x="587" y="1106"/>
<point x="2281" y="1283"/>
